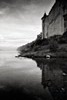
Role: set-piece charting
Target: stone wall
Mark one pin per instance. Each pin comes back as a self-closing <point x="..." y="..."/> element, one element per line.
<point x="55" y="27"/>
<point x="55" y="20"/>
<point x="53" y="24"/>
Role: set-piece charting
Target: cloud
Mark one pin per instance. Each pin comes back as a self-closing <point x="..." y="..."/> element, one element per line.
<point x="23" y="3"/>
<point x="16" y="8"/>
<point x="20" y="20"/>
<point x="26" y="2"/>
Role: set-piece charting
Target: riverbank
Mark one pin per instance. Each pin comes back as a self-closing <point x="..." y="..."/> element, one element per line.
<point x="54" y="46"/>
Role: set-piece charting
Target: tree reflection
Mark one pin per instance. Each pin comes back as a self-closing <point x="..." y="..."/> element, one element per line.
<point x="54" y="76"/>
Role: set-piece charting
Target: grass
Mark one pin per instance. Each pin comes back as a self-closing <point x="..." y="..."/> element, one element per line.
<point x="56" y="44"/>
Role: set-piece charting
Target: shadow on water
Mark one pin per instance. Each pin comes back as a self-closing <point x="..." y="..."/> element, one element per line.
<point x="53" y="80"/>
<point x="54" y="77"/>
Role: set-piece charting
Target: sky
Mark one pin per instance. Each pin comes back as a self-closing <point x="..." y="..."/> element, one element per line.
<point x="20" y="20"/>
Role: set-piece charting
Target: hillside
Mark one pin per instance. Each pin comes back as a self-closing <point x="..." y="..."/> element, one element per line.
<point x="55" y="46"/>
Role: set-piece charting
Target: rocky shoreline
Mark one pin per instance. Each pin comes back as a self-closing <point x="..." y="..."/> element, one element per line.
<point x="53" y="47"/>
<point x="46" y="55"/>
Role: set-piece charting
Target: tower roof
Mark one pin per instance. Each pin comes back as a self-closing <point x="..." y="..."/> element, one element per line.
<point x="44" y="16"/>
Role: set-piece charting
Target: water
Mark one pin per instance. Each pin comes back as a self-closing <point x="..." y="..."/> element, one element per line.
<point x="54" y="76"/>
<point x="20" y="74"/>
<point x="38" y="79"/>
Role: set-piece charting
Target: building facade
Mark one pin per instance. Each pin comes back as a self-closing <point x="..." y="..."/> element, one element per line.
<point x="55" y="23"/>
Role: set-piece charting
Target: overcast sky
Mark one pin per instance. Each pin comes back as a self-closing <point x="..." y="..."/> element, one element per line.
<point x="20" y="20"/>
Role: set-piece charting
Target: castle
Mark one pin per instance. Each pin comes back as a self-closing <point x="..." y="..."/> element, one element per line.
<point x="55" y="23"/>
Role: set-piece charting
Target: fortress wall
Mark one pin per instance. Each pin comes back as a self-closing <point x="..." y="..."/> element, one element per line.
<point x="56" y="21"/>
<point x="55" y="27"/>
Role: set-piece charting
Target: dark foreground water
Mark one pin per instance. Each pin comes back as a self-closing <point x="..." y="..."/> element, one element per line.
<point x="38" y="79"/>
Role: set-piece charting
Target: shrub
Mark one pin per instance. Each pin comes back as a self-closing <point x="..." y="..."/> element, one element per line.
<point x="65" y="34"/>
<point x="63" y="40"/>
<point x="53" y="46"/>
<point x="41" y="42"/>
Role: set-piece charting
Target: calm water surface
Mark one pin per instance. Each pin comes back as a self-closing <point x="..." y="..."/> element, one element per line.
<point x="20" y="73"/>
<point x="37" y="79"/>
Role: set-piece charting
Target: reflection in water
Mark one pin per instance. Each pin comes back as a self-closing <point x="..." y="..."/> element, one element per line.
<point x="54" y="76"/>
<point x="20" y="78"/>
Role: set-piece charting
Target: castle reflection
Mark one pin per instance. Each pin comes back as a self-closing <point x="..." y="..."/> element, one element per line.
<point x="54" y="76"/>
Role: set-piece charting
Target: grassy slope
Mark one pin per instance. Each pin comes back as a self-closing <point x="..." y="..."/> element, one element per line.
<point x="56" y="46"/>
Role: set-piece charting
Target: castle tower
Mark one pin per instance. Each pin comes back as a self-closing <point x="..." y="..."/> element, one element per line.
<point x="43" y="25"/>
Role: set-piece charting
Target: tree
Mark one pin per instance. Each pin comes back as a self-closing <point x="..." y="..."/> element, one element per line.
<point x="53" y="46"/>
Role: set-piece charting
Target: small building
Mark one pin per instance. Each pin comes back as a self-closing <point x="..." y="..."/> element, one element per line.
<point x="55" y="23"/>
